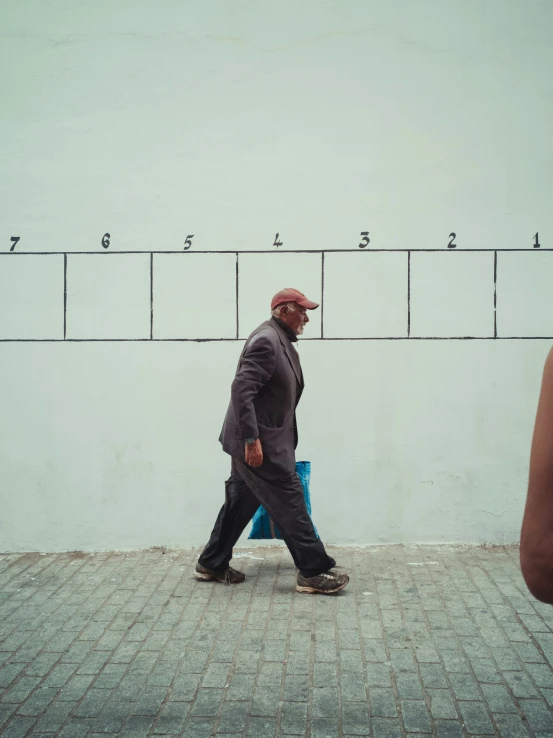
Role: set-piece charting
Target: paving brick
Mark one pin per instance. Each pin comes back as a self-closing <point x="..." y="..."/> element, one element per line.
<point x="465" y="687"/>
<point x="265" y="702"/>
<point x="138" y="727"/>
<point x="476" y="718"/>
<point x="293" y="718"/>
<point x="511" y="726"/>
<point x="325" y="702"/>
<point x="506" y="659"/>
<point x="401" y="660"/>
<point x="538" y="716"/>
<point x="378" y="675"/>
<point x="216" y="675"/>
<point x="150" y="701"/>
<point x="54" y="717"/>
<point x="9" y="673"/>
<point x="355" y="718"/>
<point x="74" y="729"/>
<point x="442" y="704"/>
<point x="448" y="729"/>
<point x="324" y="675"/>
<point x="520" y="684"/>
<point x="42" y="664"/>
<point x="433" y="676"/>
<point x="110" y="676"/>
<point x="270" y="675"/>
<point x="37" y="702"/>
<point x="207" y="702"/>
<point x="352" y="687"/>
<point x="298" y="663"/>
<point x="21" y="689"/>
<point x="386" y="728"/>
<point x="185" y="687"/>
<point x="409" y="686"/>
<point x="541" y="674"/>
<point x="111" y="718"/>
<point x="324" y="728"/>
<point x="383" y="702"/>
<point x="241" y="687"/>
<point x="415" y="716"/>
<point x="234" y="716"/>
<point x="498" y="698"/>
<point x="18" y="727"/>
<point x="296" y="688"/>
<point x="198" y="728"/>
<point x="260" y="727"/>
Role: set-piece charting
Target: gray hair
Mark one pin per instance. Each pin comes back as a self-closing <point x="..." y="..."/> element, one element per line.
<point x="292" y="307"/>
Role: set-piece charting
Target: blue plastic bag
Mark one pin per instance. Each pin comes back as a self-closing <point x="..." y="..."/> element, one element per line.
<point x="263" y="526"/>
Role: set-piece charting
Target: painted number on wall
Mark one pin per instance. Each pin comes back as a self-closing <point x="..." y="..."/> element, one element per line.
<point x="366" y="240"/>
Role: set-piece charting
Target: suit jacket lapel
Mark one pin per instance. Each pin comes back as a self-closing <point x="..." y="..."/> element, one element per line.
<point x="294" y="361"/>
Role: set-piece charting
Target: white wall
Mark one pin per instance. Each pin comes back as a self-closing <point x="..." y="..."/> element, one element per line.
<point x="232" y="122"/>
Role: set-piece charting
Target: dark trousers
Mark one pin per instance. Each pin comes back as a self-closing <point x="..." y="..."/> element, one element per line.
<point x="283" y="499"/>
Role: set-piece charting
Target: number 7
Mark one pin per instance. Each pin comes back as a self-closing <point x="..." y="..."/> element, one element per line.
<point x="15" y="239"/>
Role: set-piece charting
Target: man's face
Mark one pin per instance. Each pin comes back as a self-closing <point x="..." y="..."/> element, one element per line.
<point x="296" y="319"/>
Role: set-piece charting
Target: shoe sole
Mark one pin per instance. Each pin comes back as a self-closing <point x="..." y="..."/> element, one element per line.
<point x="205" y="577"/>
<point x="212" y="578"/>
<point x="313" y="590"/>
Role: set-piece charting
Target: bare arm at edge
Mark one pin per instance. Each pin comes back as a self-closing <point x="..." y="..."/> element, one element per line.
<point x="536" y="538"/>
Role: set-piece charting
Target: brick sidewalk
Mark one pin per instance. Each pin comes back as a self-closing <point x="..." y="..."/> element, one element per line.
<point x="441" y="641"/>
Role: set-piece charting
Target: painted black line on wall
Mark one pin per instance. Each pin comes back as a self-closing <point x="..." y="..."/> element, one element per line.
<point x="408" y="294"/>
<point x="237" y="297"/>
<point x="64" y="296"/>
<point x="220" y="340"/>
<point x="14" y="254"/>
<point x="151" y="297"/>
<point x="322" y="293"/>
<point x="495" y="295"/>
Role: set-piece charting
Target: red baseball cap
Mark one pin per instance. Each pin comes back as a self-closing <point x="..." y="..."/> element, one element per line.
<point x="289" y="294"/>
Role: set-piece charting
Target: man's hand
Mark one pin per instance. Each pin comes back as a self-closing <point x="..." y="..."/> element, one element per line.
<point x="254" y="454"/>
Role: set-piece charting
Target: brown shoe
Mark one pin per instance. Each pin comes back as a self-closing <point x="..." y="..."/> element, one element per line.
<point x="229" y="576"/>
<point x="327" y="583"/>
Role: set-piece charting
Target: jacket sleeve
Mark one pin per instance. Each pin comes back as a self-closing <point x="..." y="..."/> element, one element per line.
<point x="256" y="368"/>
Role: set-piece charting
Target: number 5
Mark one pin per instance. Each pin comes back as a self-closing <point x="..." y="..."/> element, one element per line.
<point x="188" y="242"/>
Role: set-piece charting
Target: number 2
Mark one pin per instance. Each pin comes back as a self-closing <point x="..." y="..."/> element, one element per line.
<point x="452" y="245"/>
<point x="14" y="239"/>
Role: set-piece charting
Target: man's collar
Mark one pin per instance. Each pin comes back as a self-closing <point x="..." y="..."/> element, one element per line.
<point x="286" y="328"/>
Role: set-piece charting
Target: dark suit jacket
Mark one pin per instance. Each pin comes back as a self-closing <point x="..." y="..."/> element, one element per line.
<point x="264" y="396"/>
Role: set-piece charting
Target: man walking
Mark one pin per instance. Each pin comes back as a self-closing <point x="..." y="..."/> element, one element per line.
<point x="260" y="434"/>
